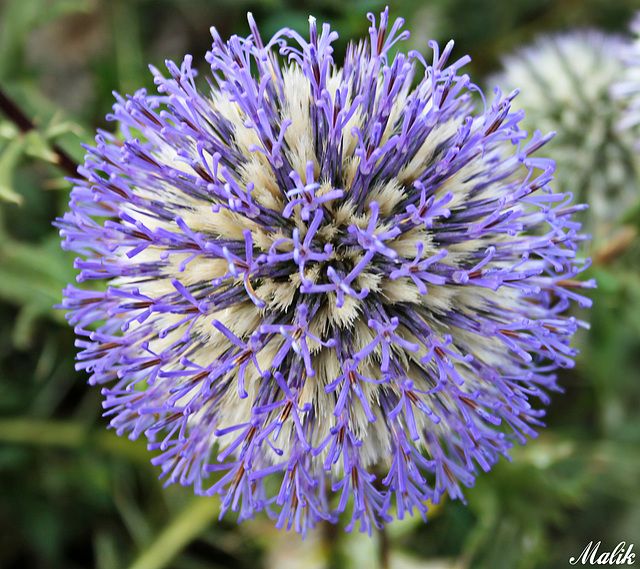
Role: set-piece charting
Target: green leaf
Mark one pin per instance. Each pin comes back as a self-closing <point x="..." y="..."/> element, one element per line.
<point x="37" y="147"/>
<point x="190" y="523"/>
<point x="69" y="434"/>
<point x="8" y="130"/>
<point x="32" y="278"/>
<point x="56" y="129"/>
<point x="24" y="325"/>
<point x="8" y="162"/>
<point x="46" y="433"/>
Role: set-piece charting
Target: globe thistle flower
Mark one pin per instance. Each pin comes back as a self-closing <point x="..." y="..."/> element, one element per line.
<point x="565" y="82"/>
<point x="327" y="289"/>
<point x="627" y="89"/>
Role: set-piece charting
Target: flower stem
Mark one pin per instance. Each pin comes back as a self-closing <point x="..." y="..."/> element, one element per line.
<point x="331" y="545"/>
<point x="15" y="114"/>
<point x="384" y="548"/>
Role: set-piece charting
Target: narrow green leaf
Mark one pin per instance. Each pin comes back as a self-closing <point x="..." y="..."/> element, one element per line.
<point x="8" y="130"/>
<point x="69" y="434"/>
<point x="8" y="162"/>
<point x="24" y="325"/>
<point x="192" y="521"/>
<point x="46" y="433"/>
<point x="37" y="147"/>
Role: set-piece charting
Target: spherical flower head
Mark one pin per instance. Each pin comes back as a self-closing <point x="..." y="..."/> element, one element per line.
<point x="627" y="89"/>
<point x="565" y="84"/>
<point x="327" y="289"/>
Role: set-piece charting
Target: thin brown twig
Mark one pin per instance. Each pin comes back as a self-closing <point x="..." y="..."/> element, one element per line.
<point x="20" y="119"/>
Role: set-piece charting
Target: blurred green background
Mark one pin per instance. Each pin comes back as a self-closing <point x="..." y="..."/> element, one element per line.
<point x="73" y="495"/>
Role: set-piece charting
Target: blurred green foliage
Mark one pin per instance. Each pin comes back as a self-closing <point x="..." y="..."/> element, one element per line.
<point x="74" y="495"/>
